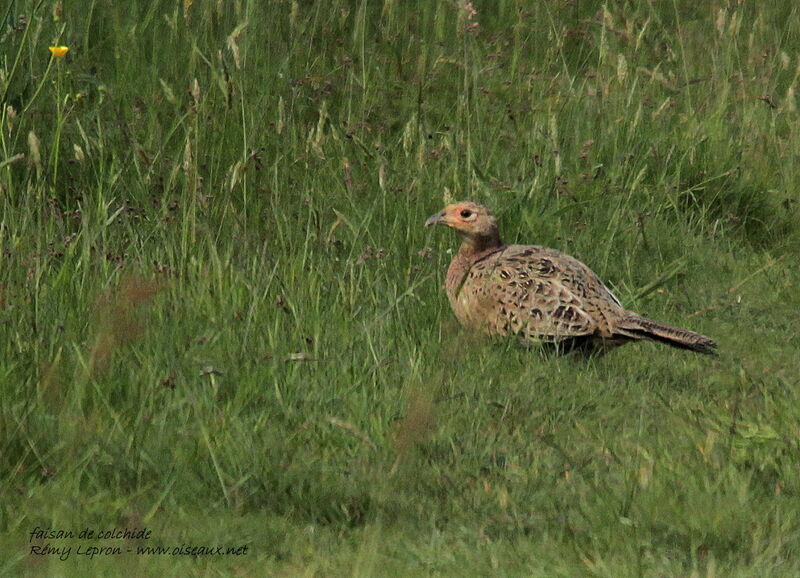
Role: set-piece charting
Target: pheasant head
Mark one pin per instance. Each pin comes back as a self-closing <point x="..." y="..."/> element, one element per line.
<point x="475" y="225"/>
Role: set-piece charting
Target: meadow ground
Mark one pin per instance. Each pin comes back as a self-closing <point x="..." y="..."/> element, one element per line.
<point x="221" y="318"/>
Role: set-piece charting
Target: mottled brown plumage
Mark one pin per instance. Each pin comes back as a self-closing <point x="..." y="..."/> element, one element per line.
<point x="539" y="294"/>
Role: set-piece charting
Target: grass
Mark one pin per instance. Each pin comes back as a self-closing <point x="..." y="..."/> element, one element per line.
<point x="221" y="317"/>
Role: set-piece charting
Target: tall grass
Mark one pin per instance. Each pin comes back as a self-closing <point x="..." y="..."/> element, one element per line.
<point x="221" y="317"/>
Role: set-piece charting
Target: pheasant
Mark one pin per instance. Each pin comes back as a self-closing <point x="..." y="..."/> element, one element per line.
<point x="540" y="294"/>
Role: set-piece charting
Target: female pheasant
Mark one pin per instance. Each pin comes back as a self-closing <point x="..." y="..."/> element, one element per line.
<point x="539" y="294"/>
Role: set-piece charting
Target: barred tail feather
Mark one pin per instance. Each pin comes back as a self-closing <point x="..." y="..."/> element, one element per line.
<point x="638" y="327"/>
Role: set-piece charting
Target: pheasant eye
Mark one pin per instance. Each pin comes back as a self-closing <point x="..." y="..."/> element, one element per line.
<point x="466" y="214"/>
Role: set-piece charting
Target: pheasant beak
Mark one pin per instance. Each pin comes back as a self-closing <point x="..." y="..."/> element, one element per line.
<point x="437" y="219"/>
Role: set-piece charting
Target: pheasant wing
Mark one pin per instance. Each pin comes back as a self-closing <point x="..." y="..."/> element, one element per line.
<point x="526" y="291"/>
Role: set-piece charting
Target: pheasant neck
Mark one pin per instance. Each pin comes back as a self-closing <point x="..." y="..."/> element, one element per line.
<point x="476" y="247"/>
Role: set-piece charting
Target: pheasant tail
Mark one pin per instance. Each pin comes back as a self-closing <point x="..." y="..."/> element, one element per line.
<point x="637" y="327"/>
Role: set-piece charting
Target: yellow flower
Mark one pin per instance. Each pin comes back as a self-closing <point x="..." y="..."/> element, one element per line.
<point x="59" y="51"/>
